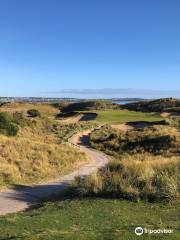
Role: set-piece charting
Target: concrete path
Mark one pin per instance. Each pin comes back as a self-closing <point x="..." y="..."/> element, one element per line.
<point x="21" y="198"/>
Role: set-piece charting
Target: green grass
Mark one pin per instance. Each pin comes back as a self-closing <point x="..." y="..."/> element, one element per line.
<point x="122" y="116"/>
<point x="91" y="219"/>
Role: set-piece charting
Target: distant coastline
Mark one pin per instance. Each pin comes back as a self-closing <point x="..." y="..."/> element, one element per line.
<point x="49" y="99"/>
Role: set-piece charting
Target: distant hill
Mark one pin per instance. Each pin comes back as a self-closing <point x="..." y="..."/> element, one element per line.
<point x="89" y="105"/>
<point x="159" y="105"/>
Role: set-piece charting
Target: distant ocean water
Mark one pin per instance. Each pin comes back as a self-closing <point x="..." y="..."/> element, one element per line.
<point x="122" y="102"/>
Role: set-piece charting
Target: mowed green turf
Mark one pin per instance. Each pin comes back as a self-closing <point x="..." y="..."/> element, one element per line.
<point x="122" y="116"/>
<point x="91" y="219"/>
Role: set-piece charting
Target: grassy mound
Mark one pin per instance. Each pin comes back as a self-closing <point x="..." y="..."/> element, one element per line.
<point x="164" y="140"/>
<point x="89" y="105"/>
<point x="137" y="177"/>
<point x="47" y="109"/>
<point x="26" y="161"/>
<point x="159" y="105"/>
<point x="146" y="164"/>
<point x="37" y="153"/>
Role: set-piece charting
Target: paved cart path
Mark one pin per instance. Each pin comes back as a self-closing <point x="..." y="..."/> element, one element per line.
<point x="20" y="198"/>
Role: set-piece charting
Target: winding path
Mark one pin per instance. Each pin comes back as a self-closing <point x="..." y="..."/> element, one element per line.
<point x="21" y="198"/>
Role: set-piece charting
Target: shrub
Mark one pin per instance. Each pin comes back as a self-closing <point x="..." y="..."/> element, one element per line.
<point x="7" y="126"/>
<point x="133" y="180"/>
<point x="166" y="185"/>
<point x="174" y="122"/>
<point x="20" y="118"/>
<point x="12" y="129"/>
<point x="33" y="113"/>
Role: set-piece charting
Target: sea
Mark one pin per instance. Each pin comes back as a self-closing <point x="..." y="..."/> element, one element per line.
<point x="122" y="102"/>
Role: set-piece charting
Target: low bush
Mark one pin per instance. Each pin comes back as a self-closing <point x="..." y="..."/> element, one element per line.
<point x="145" y="167"/>
<point x="19" y="117"/>
<point x="134" y="180"/>
<point x="7" y="126"/>
<point x="174" y="122"/>
<point x="33" y="113"/>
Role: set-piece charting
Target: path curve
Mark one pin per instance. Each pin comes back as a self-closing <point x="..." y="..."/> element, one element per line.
<point x="21" y="198"/>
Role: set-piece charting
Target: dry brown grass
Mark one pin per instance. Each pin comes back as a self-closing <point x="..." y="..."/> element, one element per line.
<point x="154" y="178"/>
<point x="45" y="108"/>
<point x="36" y="154"/>
<point x="162" y="140"/>
<point x="145" y="165"/>
<point x="39" y="130"/>
<point x="140" y="172"/>
<point x="27" y="161"/>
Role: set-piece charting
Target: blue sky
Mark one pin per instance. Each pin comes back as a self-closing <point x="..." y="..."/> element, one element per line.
<point x="57" y="48"/>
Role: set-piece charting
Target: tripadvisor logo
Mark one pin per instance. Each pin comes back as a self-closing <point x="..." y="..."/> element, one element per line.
<point x="139" y="231"/>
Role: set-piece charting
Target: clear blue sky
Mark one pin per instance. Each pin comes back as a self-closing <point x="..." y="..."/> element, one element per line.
<point x="47" y="46"/>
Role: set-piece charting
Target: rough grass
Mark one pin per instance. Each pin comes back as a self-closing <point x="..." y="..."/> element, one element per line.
<point x="158" y="105"/>
<point x="37" y="153"/>
<point x="45" y="108"/>
<point x="7" y="126"/>
<point x="123" y="116"/>
<point x="174" y="121"/>
<point x="26" y="161"/>
<point x="146" y="165"/>
<point x="89" y="105"/>
<point x="164" y="140"/>
<point x="148" y="178"/>
<point x="91" y="219"/>
<point x="66" y="131"/>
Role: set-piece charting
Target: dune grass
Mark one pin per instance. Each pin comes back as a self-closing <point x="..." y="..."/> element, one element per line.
<point x="162" y="140"/>
<point x="25" y="161"/>
<point x="66" y="131"/>
<point x="137" y="177"/>
<point x="46" y="109"/>
<point x="146" y="164"/>
<point x="91" y="219"/>
<point x="37" y="153"/>
<point x="158" y="105"/>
